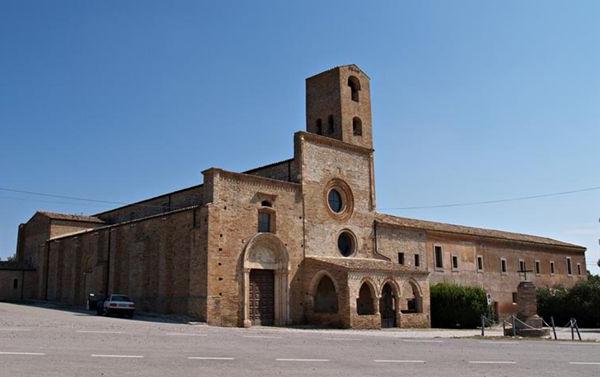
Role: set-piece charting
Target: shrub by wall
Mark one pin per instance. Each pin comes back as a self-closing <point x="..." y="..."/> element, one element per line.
<point x="581" y="302"/>
<point x="455" y="306"/>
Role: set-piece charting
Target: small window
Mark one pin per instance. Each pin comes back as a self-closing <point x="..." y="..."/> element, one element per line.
<point x="514" y="297"/>
<point x="479" y="263"/>
<point x="264" y="222"/>
<point x="401" y="258"/>
<point x="319" y="127"/>
<point x="569" y="269"/>
<point x="346" y="243"/>
<point x="266" y="203"/>
<point x="455" y="262"/>
<point x="15" y="283"/>
<point x="578" y="269"/>
<point x="521" y="265"/>
<point x="503" y="265"/>
<point x="439" y="263"/>
<point x="354" y="85"/>
<point x="552" y="267"/>
<point x="417" y="260"/>
<point x="356" y="126"/>
<point x="537" y="267"/>
<point x="330" y="124"/>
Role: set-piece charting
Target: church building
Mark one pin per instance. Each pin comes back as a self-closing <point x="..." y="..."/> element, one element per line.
<point x="296" y="242"/>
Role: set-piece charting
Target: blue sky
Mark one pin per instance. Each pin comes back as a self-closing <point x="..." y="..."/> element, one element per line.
<point x="472" y="100"/>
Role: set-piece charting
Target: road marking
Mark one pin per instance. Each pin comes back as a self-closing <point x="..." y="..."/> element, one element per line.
<point x="120" y="356"/>
<point x="491" y="362"/>
<point x="399" y="361"/>
<point x="584" y="363"/>
<point x="99" y="332"/>
<point x="422" y="341"/>
<point x="209" y="358"/>
<point x="497" y="342"/>
<point x="14" y="329"/>
<point x="343" y="339"/>
<point x="309" y="360"/>
<point x="183" y="334"/>
<point x="23" y="353"/>
<point x="262" y="336"/>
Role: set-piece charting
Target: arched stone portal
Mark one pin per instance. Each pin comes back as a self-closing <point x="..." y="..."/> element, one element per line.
<point x="266" y="262"/>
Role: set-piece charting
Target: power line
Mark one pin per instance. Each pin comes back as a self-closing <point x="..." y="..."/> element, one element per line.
<point x="74" y="198"/>
<point x="518" y="198"/>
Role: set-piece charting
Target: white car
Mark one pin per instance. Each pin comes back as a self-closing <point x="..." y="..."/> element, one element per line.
<point x="117" y="304"/>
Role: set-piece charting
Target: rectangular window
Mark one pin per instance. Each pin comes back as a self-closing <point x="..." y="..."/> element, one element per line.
<point x="578" y="269"/>
<point x="537" y="267"/>
<point x="264" y="222"/>
<point x="15" y="283"/>
<point x="455" y="262"/>
<point x="479" y="263"/>
<point x="514" y="297"/>
<point x="569" y="270"/>
<point x="417" y="260"/>
<point x="439" y="263"/>
<point x="401" y="258"/>
<point x="521" y="265"/>
<point x="503" y="265"/>
<point x="552" y="267"/>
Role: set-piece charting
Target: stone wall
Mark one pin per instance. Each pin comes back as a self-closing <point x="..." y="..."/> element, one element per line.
<point x="499" y="285"/>
<point x="192" y="196"/>
<point x="324" y="161"/>
<point x="24" y="288"/>
<point x="282" y="171"/>
<point x="157" y="261"/>
<point x="233" y="222"/>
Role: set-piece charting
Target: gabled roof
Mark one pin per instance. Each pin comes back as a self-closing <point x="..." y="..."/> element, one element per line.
<point x="471" y="231"/>
<point x="68" y="217"/>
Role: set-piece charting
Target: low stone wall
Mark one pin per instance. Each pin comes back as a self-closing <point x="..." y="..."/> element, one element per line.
<point x="371" y="321"/>
<point x="415" y="320"/>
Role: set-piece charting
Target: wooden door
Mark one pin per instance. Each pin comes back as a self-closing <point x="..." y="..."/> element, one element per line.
<point x="262" y="297"/>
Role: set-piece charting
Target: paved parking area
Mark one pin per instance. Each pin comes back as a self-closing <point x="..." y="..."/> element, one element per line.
<point x="36" y="341"/>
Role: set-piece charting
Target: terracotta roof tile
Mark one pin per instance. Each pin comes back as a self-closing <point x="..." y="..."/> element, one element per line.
<point x="68" y="217"/>
<point x="471" y="231"/>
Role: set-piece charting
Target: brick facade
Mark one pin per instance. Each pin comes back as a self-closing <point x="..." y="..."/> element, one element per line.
<point x="310" y="220"/>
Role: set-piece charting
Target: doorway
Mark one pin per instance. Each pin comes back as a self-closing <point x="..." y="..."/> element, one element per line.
<point x="262" y="297"/>
<point x="387" y="307"/>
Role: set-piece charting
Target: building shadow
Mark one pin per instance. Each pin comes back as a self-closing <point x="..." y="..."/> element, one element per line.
<point x="83" y="312"/>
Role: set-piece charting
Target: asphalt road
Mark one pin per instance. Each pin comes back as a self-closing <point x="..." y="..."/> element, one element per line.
<point x="38" y="341"/>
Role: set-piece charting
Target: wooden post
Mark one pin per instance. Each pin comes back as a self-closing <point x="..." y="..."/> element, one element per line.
<point x="553" y="327"/>
<point x="576" y="328"/>
<point x="482" y="325"/>
<point x="572" y="332"/>
<point x="514" y="329"/>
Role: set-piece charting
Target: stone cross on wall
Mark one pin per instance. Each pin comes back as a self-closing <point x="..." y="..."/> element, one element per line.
<point x="524" y="272"/>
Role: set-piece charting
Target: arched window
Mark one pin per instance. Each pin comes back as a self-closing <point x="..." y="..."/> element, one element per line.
<point x="330" y="124"/>
<point x="325" y="300"/>
<point x="364" y="303"/>
<point x="319" y="127"/>
<point x="357" y="126"/>
<point x="354" y="85"/>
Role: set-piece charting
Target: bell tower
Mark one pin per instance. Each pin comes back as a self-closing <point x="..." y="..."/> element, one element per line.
<point x="338" y="105"/>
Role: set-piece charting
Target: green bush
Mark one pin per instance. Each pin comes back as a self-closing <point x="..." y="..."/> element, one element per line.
<point x="455" y="306"/>
<point x="581" y="302"/>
